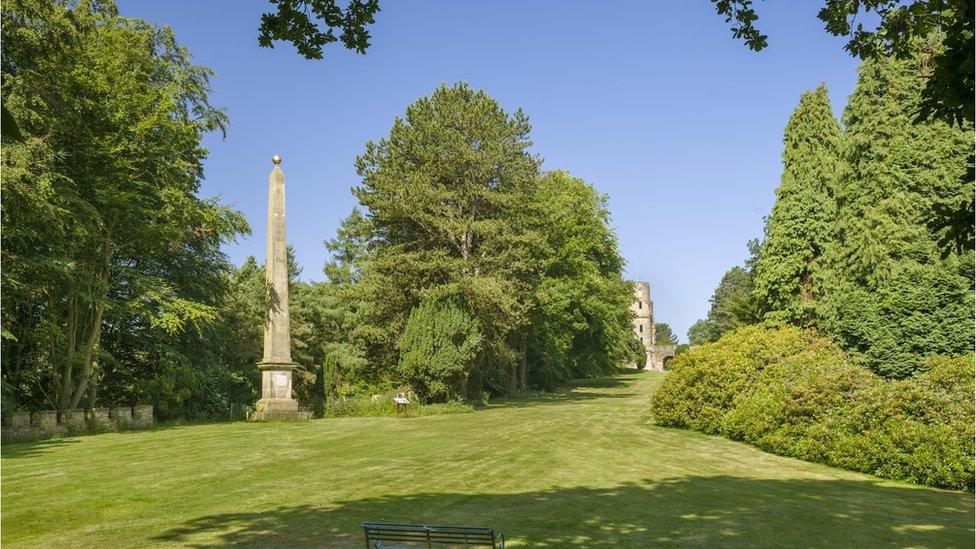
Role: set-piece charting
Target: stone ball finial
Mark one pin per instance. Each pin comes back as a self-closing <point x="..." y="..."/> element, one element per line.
<point x="276" y="159"/>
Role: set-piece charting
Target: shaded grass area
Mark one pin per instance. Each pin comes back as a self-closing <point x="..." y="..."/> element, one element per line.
<point x="692" y="510"/>
<point x="584" y="467"/>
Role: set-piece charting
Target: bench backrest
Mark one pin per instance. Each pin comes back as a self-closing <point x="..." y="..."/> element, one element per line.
<point x="430" y="536"/>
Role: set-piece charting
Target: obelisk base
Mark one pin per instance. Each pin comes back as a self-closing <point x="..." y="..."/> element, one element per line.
<point x="276" y="402"/>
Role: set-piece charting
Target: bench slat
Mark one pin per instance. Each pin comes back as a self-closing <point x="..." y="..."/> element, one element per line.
<point x="415" y="528"/>
<point x="400" y="537"/>
<point x="423" y="528"/>
<point x="396" y="537"/>
<point x="418" y="533"/>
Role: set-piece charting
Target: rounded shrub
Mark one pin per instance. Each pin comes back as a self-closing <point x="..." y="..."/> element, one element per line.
<point x="440" y="349"/>
<point x="794" y="393"/>
<point x="704" y="381"/>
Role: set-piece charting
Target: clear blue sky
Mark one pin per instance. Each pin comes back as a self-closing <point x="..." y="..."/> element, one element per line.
<point x="650" y="101"/>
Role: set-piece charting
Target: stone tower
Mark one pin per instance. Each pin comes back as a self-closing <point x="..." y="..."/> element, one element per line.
<point x="276" y="366"/>
<point x="643" y="309"/>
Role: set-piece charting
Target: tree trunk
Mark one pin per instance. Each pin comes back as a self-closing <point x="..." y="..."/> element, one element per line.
<point x="523" y="363"/>
<point x="513" y="381"/>
<point x="87" y="355"/>
<point x="67" y="369"/>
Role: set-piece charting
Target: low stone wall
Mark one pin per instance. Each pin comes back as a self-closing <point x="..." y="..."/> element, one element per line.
<point x="43" y="423"/>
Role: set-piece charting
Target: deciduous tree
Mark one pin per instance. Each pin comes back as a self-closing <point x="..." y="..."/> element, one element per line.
<point x="113" y="113"/>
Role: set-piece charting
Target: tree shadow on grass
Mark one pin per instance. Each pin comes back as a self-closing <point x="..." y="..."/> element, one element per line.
<point x="33" y="448"/>
<point x="711" y="511"/>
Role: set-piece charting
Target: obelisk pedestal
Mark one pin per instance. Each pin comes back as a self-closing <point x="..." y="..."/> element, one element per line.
<point x="276" y="366"/>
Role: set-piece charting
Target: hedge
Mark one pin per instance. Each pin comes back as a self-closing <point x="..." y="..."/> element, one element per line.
<point x="795" y="393"/>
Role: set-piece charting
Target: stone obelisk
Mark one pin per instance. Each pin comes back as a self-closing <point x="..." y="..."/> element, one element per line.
<point x="276" y="366"/>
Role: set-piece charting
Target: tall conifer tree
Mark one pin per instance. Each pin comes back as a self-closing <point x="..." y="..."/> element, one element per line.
<point x="446" y="196"/>
<point x="801" y="223"/>
<point x="894" y="296"/>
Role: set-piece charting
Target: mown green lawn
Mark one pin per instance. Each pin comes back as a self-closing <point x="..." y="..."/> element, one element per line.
<point x="586" y="467"/>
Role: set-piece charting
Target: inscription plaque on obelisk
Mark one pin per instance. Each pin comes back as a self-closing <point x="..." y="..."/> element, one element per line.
<point x="276" y="366"/>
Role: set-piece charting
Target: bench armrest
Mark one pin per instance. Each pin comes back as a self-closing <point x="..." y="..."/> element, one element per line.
<point x="501" y="540"/>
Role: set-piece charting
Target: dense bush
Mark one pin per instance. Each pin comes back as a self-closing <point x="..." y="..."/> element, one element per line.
<point x="794" y="393"/>
<point x="439" y="350"/>
<point x="704" y="381"/>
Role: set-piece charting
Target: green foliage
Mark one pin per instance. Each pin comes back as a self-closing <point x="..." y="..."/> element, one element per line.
<point x="318" y="400"/>
<point x="382" y="405"/>
<point x="113" y="272"/>
<point x="892" y="292"/>
<point x="921" y="310"/>
<point x="349" y="249"/>
<point x="919" y="429"/>
<point x="581" y="324"/>
<point x="794" y="393"/>
<point x="293" y="23"/>
<point x="849" y="247"/>
<point x="440" y="349"/>
<point x="801" y="225"/>
<point x="949" y="87"/>
<point x="704" y="381"/>
<point x="744" y="17"/>
<point x="638" y="354"/>
<point x="944" y="28"/>
<point x="663" y="335"/>
<point x="454" y="208"/>
<point x="445" y="195"/>
<point x="733" y="305"/>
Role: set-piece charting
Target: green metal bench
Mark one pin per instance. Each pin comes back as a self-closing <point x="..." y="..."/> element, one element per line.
<point x="420" y="535"/>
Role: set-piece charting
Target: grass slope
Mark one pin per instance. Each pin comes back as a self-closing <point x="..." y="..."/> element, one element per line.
<point x="585" y="467"/>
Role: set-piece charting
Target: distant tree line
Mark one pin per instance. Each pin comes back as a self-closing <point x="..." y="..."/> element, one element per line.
<point x="849" y="247"/>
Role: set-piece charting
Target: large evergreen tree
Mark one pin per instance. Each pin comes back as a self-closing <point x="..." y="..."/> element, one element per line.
<point x="894" y="295"/>
<point x="802" y="221"/>
<point x="441" y="345"/>
<point x="664" y="335"/>
<point x="445" y="195"/>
